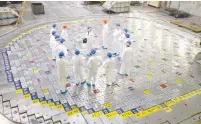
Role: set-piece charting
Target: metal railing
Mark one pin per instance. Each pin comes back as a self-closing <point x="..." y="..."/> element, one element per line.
<point x="22" y="12"/>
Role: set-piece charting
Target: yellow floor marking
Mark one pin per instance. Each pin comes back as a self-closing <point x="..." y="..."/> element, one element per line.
<point x="179" y="80"/>
<point x="151" y="63"/>
<point x="43" y="103"/>
<point x="36" y="70"/>
<point x="97" y="114"/>
<point x="35" y="101"/>
<point x="167" y="109"/>
<point x="27" y="96"/>
<point x="107" y="105"/>
<point x="111" y="114"/>
<point x="126" y="114"/>
<point x="19" y="91"/>
<point x="45" y="91"/>
<point x="51" y="105"/>
<point x="72" y="112"/>
<point x="59" y="107"/>
<point x="149" y="75"/>
<point x="146" y="92"/>
<point x="170" y="103"/>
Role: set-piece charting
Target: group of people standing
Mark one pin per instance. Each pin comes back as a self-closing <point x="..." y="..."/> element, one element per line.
<point x="121" y="46"/>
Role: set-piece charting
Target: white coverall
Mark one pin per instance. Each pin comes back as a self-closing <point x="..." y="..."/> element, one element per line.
<point x="52" y="40"/>
<point x="90" y="40"/>
<point x="61" y="64"/>
<point x="116" y="43"/>
<point x="93" y="63"/>
<point x="110" y="72"/>
<point x="105" y="35"/>
<point x="64" y="34"/>
<point x="127" y="61"/>
<point x="60" y="47"/>
<point x="77" y="68"/>
<point x="54" y="45"/>
<point x="52" y="29"/>
<point x="51" y="36"/>
<point x="122" y="38"/>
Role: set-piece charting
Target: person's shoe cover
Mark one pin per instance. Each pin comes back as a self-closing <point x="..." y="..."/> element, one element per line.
<point x="83" y="82"/>
<point x="89" y="84"/>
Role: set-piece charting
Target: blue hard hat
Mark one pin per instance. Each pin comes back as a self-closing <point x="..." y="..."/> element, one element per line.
<point x="126" y="30"/>
<point x="109" y="55"/>
<point x="54" y="25"/>
<point x="118" y="24"/>
<point x="128" y="42"/>
<point x="93" y="51"/>
<point x="53" y="32"/>
<point x="127" y="35"/>
<point x="61" y="54"/>
<point x="77" y="52"/>
<point x="89" y="28"/>
<point x="57" y="36"/>
<point x="62" y="40"/>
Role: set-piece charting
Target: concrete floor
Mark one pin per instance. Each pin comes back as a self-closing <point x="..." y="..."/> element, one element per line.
<point x="164" y="71"/>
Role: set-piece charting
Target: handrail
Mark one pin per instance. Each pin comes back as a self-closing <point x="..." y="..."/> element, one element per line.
<point x="22" y="12"/>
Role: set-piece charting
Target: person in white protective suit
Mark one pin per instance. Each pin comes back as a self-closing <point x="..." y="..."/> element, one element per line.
<point x="61" y="65"/>
<point x="122" y="38"/>
<point x="116" y="43"/>
<point x="124" y="44"/>
<point x="53" y="29"/>
<point x="60" y="47"/>
<point x="52" y="38"/>
<point x="127" y="60"/>
<point x="77" y="68"/>
<point x="110" y="73"/>
<point x="90" y="40"/>
<point x="64" y="35"/>
<point x="105" y="35"/>
<point x="93" y="63"/>
<point x="54" y="45"/>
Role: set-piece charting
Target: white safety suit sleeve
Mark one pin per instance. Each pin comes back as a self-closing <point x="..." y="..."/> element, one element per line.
<point x="114" y="63"/>
<point x="55" y="49"/>
<point x="106" y="29"/>
<point x="62" y="33"/>
<point x="121" y="37"/>
<point x="114" y="33"/>
<point x="70" y="62"/>
<point x="105" y="64"/>
<point x="89" y="63"/>
<point x="67" y="62"/>
<point x="82" y="62"/>
<point x="123" y="55"/>
<point x="100" y="61"/>
<point x="65" y="51"/>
